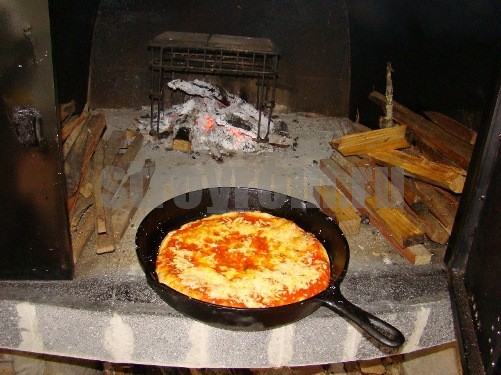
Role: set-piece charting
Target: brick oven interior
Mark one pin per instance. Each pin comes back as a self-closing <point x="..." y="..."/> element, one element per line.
<point x="332" y="62"/>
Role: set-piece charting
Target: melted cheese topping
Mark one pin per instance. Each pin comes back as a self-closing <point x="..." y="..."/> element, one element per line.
<point x="243" y="259"/>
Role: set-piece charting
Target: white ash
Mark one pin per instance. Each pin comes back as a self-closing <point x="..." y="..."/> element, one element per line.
<point x="214" y="117"/>
<point x="199" y="88"/>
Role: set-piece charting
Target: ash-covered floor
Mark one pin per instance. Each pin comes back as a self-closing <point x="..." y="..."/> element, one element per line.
<point x="292" y="171"/>
<point x="111" y="314"/>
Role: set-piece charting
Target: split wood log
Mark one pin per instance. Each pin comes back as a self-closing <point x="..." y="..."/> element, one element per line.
<point x="375" y="140"/>
<point x="74" y="160"/>
<point x="379" y="181"/>
<point x="104" y="237"/>
<point x="181" y="141"/>
<point x="420" y="148"/>
<point x="83" y="232"/>
<point x="350" y="187"/>
<point x="391" y="197"/>
<point x="454" y="198"/>
<point x="98" y="160"/>
<point x="353" y="189"/>
<point x="112" y="176"/>
<point x="71" y="126"/>
<point x="428" y="224"/>
<point x="66" y="110"/>
<point x="76" y="165"/>
<point x="113" y="146"/>
<point x="431" y="134"/>
<point x="442" y="175"/>
<point x="124" y="160"/>
<point x="412" y="199"/>
<point x="81" y="206"/>
<point x="129" y="197"/>
<point x="440" y="206"/>
<point x="453" y="127"/>
<point x="70" y="141"/>
<point x="337" y="206"/>
<point x="401" y="228"/>
<point x="354" y="173"/>
<point x="419" y="254"/>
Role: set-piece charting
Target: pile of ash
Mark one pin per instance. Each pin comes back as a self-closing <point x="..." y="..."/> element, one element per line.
<point x="214" y="117"/>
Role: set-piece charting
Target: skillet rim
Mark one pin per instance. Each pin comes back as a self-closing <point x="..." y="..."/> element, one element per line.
<point x="311" y="208"/>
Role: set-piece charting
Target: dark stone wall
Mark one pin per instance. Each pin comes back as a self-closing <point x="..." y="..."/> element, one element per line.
<point x="72" y="25"/>
<point x="312" y="38"/>
<point x="446" y="55"/>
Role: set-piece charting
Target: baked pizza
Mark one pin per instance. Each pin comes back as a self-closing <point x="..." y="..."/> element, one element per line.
<point x="243" y="259"/>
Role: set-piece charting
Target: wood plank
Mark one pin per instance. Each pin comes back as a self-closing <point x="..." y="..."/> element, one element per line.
<point x="71" y="126"/>
<point x="97" y="125"/>
<point x="337" y="206"/>
<point x="442" y="175"/>
<point x="375" y="140"/>
<point x="401" y="228"/>
<point x="431" y="134"/>
<point x="129" y="197"/>
<point x="441" y="207"/>
<point x="66" y="110"/>
<point x="453" y="127"/>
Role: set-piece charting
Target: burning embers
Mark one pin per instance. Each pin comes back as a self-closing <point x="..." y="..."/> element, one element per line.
<point x="215" y="119"/>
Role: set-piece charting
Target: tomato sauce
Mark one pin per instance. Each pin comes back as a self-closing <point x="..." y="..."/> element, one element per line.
<point x="223" y="248"/>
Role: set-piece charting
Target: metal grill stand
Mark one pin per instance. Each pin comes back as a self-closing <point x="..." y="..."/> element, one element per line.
<point x="195" y="53"/>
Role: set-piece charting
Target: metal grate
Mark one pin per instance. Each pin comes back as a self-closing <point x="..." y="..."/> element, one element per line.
<point x="184" y="53"/>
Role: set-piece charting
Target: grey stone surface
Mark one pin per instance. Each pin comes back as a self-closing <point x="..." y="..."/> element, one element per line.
<point x="109" y="313"/>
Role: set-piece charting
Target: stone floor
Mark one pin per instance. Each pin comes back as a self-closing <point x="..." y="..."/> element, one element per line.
<point x="109" y="313"/>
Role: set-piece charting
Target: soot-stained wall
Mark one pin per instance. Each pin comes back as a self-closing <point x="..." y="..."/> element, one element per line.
<point x="445" y="54"/>
<point x="312" y="38"/>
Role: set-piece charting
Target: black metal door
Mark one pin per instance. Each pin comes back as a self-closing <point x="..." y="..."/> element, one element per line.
<point x="474" y="259"/>
<point x="34" y="236"/>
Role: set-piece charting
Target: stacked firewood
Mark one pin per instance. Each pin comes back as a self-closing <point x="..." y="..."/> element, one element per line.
<point x="406" y="179"/>
<point x="100" y="196"/>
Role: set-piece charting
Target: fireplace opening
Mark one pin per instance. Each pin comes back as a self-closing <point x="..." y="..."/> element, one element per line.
<point x="308" y="115"/>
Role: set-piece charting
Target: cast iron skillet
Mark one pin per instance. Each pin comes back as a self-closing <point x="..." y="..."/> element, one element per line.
<point x="198" y="204"/>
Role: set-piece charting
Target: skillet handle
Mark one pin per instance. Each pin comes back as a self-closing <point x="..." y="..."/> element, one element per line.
<point x="377" y="328"/>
